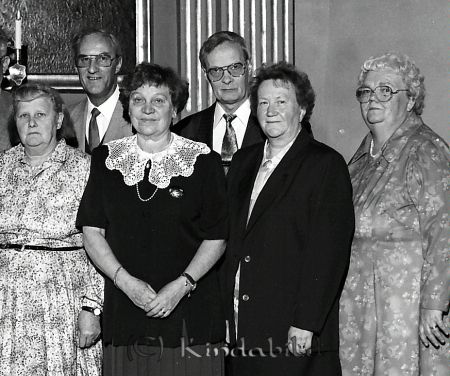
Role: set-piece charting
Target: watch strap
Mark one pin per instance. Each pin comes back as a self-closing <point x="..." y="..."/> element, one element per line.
<point x="94" y="311"/>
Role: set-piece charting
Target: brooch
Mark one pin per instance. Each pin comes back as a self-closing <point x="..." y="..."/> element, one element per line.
<point x="176" y="192"/>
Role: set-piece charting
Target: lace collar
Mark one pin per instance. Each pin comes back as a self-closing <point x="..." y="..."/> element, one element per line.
<point x="177" y="159"/>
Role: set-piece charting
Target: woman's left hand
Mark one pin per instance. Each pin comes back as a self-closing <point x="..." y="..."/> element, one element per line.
<point x="299" y="341"/>
<point x="88" y="329"/>
<point x="167" y="299"/>
<point x="432" y="328"/>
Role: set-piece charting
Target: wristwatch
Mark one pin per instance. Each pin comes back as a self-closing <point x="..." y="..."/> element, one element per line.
<point x="94" y="311"/>
<point x="189" y="281"/>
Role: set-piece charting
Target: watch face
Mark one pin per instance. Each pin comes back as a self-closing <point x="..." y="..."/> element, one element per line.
<point x="97" y="311"/>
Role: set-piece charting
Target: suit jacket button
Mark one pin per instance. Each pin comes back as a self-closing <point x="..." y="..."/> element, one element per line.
<point x="247" y="258"/>
<point x="245" y="297"/>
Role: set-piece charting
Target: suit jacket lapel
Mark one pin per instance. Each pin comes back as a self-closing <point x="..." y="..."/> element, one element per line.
<point x="280" y="179"/>
<point x="117" y="127"/>
<point x="247" y="176"/>
<point x="78" y="116"/>
<point x="206" y="124"/>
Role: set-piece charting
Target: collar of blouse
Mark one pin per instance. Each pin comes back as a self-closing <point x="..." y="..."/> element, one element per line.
<point x="178" y="159"/>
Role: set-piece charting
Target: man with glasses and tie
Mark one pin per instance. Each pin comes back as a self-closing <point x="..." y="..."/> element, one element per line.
<point x="228" y="124"/>
<point x="98" y="118"/>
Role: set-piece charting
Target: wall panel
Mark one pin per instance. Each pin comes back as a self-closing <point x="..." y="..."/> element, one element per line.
<point x="266" y="25"/>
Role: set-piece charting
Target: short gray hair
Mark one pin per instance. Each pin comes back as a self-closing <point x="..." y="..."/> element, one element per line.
<point x="403" y="66"/>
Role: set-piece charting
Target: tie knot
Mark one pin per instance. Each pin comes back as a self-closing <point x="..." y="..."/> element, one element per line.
<point x="95" y="112"/>
<point x="229" y="118"/>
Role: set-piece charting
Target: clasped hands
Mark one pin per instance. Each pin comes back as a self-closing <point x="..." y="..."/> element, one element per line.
<point x="157" y="305"/>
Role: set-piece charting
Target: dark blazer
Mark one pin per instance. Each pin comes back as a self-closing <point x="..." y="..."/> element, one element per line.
<point x="294" y="251"/>
<point x="199" y="127"/>
<point x="117" y="128"/>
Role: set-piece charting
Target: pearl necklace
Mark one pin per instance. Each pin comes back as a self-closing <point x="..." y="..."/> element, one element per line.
<point x="145" y="199"/>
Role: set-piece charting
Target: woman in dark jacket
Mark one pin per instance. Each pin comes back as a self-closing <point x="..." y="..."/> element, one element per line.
<point x="291" y="223"/>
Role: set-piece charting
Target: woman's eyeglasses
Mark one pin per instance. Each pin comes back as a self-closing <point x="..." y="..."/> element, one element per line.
<point x="382" y="93"/>
<point x="235" y="69"/>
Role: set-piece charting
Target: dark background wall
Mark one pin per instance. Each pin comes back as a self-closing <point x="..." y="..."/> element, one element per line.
<point x="49" y="25"/>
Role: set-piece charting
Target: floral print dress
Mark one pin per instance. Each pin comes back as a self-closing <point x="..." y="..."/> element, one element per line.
<point x="41" y="292"/>
<point x="400" y="255"/>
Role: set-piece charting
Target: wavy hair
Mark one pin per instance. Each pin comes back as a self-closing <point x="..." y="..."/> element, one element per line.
<point x="286" y="73"/>
<point x="404" y="67"/>
<point x="154" y="75"/>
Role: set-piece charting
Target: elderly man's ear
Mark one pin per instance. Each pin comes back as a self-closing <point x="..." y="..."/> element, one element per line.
<point x="119" y="64"/>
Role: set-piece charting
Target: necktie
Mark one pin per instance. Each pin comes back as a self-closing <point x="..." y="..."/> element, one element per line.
<point x="229" y="143"/>
<point x="94" y="136"/>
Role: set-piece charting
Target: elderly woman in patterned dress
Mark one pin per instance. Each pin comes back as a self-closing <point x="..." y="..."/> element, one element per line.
<point x="397" y="291"/>
<point x="49" y="292"/>
<point x="154" y="219"/>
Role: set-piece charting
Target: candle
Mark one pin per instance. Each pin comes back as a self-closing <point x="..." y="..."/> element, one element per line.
<point x="18" y="34"/>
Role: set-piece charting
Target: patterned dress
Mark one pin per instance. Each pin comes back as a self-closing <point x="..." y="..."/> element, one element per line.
<point x="400" y="253"/>
<point x="41" y="292"/>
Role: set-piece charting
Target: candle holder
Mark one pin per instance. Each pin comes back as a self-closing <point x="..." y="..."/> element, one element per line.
<point x="16" y="73"/>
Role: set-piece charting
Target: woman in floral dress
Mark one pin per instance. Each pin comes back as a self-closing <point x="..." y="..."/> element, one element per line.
<point x="49" y="291"/>
<point x="397" y="289"/>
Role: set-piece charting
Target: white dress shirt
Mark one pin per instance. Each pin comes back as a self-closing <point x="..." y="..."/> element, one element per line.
<point x="239" y="124"/>
<point x="106" y="112"/>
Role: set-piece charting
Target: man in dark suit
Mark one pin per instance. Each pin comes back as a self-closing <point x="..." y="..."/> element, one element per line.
<point x="98" y="118"/>
<point x="227" y="125"/>
<point x="291" y="224"/>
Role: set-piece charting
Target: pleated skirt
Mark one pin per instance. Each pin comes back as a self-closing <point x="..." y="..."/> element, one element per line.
<point x="143" y="360"/>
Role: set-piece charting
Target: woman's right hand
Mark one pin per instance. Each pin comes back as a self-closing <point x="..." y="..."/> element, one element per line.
<point x="139" y="292"/>
<point x="432" y="328"/>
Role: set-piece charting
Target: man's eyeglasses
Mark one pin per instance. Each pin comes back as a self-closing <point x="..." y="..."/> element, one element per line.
<point x="235" y="69"/>
<point x="382" y="93"/>
<point x="102" y="60"/>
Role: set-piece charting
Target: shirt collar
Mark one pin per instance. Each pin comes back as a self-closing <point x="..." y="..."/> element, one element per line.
<point x="242" y="113"/>
<point x="395" y="144"/>
<point x="106" y="108"/>
<point x="58" y="155"/>
<point x="277" y="158"/>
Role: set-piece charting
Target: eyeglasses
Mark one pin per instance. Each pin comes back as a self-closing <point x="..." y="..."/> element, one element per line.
<point x="235" y="69"/>
<point x="382" y="93"/>
<point x="102" y="60"/>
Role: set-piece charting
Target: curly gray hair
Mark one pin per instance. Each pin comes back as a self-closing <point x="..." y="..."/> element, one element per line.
<point x="403" y="66"/>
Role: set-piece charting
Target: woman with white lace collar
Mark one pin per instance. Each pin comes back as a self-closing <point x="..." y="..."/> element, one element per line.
<point x="154" y="221"/>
